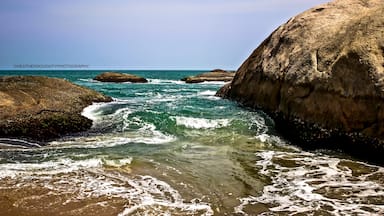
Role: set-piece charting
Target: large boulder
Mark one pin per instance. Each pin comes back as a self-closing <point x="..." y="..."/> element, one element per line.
<point x="119" y="77"/>
<point x="321" y="76"/>
<point x="214" y="75"/>
<point x="41" y="108"/>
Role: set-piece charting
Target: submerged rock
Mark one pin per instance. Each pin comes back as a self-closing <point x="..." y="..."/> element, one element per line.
<point x="321" y="76"/>
<point x="214" y="75"/>
<point x="41" y="108"/>
<point x="119" y="77"/>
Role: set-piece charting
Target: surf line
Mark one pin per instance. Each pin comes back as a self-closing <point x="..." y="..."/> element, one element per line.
<point x="17" y="142"/>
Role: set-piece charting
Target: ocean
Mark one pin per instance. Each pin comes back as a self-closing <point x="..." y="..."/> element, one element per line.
<point x="170" y="148"/>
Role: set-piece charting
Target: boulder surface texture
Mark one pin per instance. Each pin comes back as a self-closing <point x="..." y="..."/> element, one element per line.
<point x="119" y="77"/>
<point x="42" y="108"/>
<point x="214" y="75"/>
<point x="321" y="76"/>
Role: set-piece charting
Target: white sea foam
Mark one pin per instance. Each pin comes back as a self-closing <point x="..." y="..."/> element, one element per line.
<point x="88" y="179"/>
<point x="213" y="83"/>
<point x="151" y="189"/>
<point x="150" y="135"/>
<point x="272" y="139"/>
<point x="90" y="112"/>
<point x="305" y="182"/>
<point x="122" y="122"/>
<point x="165" y="98"/>
<point x="63" y="165"/>
<point x="144" y="132"/>
<point x="90" y="80"/>
<point x="18" y="143"/>
<point x="117" y="162"/>
<point x="201" y="123"/>
<point x="145" y="136"/>
<point x="207" y="93"/>
<point x="165" y="81"/>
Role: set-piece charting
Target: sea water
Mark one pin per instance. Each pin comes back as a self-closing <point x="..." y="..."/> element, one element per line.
<point x="170" y="148"/>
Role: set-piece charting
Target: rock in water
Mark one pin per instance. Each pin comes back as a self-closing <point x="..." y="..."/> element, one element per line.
<point x="214" y="75"/>
<point x="321" y="76"/>
<point x="41" y="108"/>
<point x="119" y="77"/>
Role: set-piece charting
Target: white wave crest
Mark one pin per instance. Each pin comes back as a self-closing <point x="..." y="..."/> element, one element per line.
<point x="91" y="112"/>
<point x="213" y="83"/>
<point x="207" y="93"/>
<point x="89" y="80"/>
<point x="164" y="81"/>
<point x="201" y="123"/>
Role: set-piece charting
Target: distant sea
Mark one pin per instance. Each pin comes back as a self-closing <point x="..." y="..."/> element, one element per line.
<point x="170" y="148"/>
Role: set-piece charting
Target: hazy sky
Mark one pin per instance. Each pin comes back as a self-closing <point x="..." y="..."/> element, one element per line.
<point x="139" y="34"/>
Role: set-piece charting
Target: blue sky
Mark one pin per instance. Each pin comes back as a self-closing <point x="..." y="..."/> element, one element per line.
<point x="139" y="34"/>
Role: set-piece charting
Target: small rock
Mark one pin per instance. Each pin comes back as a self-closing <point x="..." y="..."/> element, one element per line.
<point x="119" y="77"/>
<point x="214" y="75"/>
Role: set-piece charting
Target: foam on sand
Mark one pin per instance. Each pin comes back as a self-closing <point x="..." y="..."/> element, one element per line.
<point x="98" y="179"/>
<point x="302" y="183"/>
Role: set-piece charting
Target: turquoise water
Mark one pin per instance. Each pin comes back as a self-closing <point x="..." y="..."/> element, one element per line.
<point x="170" y="148"/>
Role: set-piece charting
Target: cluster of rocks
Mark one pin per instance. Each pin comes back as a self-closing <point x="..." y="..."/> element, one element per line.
<point x="211" y="76"/>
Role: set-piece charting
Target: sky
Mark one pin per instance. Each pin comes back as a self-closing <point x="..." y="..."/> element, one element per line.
<point x="138" y="34"/>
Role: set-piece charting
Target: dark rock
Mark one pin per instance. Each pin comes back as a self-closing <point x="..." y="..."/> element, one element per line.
<point x="223" y="91"/>
<point x="42" y="108"/>
<point x="214" y="75"/>
<point x="119" y="77"/>
<point x="321" y="76"/>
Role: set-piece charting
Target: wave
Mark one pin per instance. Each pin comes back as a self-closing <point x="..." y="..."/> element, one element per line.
<point x="302" y="182"/>
<point x="123" y="124"/>
<point x="94" y="111"/>
<point x="213" y="83"/>
<point x="165" y="81"/>
<point x="117" y="162"/>
<point x="63" y="165"/>
<point x="89" y="80"/>
<point x="7" y="142"/>
<point x="125" y="130"/>
<point x="201" y="123"/>
<point x="271" y="139"/>
<point x="207" y="93"/>
<point x="147" y="135"/>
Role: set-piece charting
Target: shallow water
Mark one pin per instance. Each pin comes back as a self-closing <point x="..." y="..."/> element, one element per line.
<point x="169" y="148"/>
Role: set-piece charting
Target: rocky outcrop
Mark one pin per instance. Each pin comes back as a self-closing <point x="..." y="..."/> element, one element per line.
<point x="214" y="75"/>
<point x="321" y="76"/>
<point x="119" y="77"/>
<point x="41" y="108"/>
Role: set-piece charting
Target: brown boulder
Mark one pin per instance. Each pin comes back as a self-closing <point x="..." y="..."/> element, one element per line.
<point x="214" y="75"/>
<point x="321" y="75"/>
<point x="42" y="108"/>
<point x="119" y="77"/>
